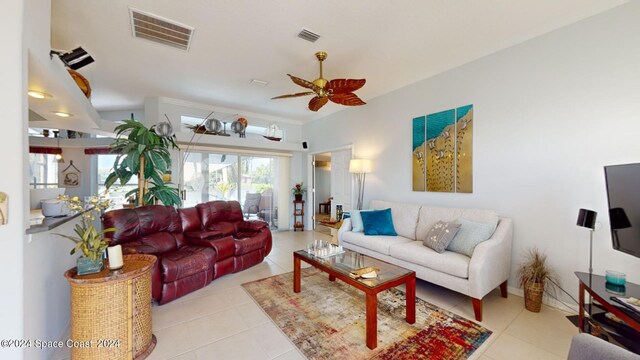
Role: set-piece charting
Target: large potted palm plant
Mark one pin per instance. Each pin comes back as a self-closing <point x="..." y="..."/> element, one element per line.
<point x="145" y="154"/>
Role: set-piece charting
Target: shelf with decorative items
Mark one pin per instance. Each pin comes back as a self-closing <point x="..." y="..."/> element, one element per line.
<point x="298" y="215"/>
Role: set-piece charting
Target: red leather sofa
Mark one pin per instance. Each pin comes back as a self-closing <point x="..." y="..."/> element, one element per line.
<point x="193" y="245"/>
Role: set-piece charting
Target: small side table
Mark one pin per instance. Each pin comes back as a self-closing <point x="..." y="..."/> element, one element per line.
<point x="324" y="207"/>
<point x="111" y="311"/>
<point x="596" y="285"/>
<point x="298" y="213"/>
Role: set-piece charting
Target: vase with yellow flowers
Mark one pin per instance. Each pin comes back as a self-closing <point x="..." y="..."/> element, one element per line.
<point x="89" y="241"/>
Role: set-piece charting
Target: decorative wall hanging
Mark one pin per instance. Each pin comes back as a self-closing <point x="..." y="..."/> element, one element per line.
<point x="71" y="175"/>
<point x="442" y="151"/>
<point x="4" y="200"/>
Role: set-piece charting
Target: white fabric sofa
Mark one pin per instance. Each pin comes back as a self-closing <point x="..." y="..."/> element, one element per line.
<point x="475" y="276"/>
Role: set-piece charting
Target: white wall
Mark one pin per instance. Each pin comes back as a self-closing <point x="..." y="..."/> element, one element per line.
<point x="47" y="292"/>
<point x="13" y="150"/>
<point x="323" y="184"/>
<point x="548" y="114"/>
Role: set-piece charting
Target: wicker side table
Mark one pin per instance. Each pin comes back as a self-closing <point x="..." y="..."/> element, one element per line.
<point x="111" y="312"/>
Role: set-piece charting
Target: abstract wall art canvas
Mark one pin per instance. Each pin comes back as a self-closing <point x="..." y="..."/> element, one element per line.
<point x="442" y="151"/>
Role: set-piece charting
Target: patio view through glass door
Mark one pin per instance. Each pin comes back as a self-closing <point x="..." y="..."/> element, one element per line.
<point x="248" y="179"/>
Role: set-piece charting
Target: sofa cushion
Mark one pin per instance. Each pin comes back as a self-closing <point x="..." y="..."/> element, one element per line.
<point x="470" y="235"/>
<point x="132" y="224"/>
<point x="440" y="235"/>
<point x="378" y="222"/>
<point x="186" y="261"/>
<point x="448" y="262"/>
<point x="405" y="216"/>
<point x="190" y="219"/>
<point x="429" y="215"/>
<point x="379" y="244"/>
<point x="225" y="227"/>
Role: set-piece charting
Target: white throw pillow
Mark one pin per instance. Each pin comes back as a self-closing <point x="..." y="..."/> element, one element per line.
<point x="356" y="221"/>
<point x="470" y="235"/>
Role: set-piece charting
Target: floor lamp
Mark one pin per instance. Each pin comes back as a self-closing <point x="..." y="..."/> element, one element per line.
<point x="587" y="219"/>
<point x="359" y="167"/>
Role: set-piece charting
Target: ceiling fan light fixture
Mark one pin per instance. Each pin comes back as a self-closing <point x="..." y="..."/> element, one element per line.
<point x="339" y="91"/>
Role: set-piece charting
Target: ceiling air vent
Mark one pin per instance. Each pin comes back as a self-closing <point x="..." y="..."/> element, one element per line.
<point x="157" y="29"/>
<point x="308" y="35"/>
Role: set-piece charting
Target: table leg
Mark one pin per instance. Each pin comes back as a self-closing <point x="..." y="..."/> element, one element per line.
<point x="411" y="300"/>
<point x="332" y="278"/>
<point x="372" y="321"/>
<point x="581" y="308"/>
<point x="296" y="274"/>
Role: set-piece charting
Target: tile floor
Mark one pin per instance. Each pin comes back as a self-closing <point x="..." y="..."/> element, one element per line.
<point x="222" y="322"/>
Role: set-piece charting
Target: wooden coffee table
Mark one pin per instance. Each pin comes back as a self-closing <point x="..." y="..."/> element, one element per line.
<point x="339" y="266"/>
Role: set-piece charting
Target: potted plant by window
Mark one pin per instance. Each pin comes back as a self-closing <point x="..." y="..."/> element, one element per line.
<point x="533" y="274"/>
<point x="298" y="190"/>
<point x="142" y="152"/>
<point x="90" y="242"/>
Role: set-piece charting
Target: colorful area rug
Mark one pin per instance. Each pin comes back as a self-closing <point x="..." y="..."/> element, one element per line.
<point x="326" y="320"/>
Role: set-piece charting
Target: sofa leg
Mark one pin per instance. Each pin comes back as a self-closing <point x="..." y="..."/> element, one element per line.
<point x="477" y="308"/>
<point x="503" y="289"/>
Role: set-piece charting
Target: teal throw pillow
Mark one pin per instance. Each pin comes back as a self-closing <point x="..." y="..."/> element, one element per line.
<point x="356" y="220"/>
<point x="470" y="235"/>
<point x="378" y="222"/>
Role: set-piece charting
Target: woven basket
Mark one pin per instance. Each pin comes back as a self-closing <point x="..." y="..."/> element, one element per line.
<point x="533" y="296"/>
<point x="115" y="307"/>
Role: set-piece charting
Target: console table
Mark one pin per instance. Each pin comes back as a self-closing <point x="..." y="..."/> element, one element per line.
<point x="628" y="335"/>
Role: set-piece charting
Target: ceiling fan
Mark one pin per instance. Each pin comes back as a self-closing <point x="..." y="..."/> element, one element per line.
<point x="339" y="91"/>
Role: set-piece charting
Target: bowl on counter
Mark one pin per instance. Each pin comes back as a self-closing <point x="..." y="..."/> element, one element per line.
<point x="54" y="208"/>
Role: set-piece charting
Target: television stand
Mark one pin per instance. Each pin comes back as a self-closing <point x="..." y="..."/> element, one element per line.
<point x="626" y="335"/>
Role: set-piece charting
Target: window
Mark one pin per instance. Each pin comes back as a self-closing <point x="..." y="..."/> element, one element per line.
<point x="249" y="180"/>
<point x="117" y="192"/>
<point x="43" y="171"/>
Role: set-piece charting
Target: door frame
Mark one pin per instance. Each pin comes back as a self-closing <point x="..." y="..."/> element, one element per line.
<point x="311" y="206"/>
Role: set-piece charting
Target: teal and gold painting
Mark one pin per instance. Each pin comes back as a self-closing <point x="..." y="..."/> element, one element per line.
<point x="442" y="151"/>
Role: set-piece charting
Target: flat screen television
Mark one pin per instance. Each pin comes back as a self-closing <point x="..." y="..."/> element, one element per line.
<point x="623" y="193"/>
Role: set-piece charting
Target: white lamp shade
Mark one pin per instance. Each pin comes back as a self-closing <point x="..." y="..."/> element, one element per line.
<point x="360" y="166"/>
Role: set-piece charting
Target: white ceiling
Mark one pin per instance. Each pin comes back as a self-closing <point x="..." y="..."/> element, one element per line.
<point x="391" y="44"/>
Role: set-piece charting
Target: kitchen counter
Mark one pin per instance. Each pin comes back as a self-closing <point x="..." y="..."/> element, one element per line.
<point x="39" y="223"/>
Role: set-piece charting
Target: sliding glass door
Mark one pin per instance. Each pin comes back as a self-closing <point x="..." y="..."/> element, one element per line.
<point x="250" y="180"/>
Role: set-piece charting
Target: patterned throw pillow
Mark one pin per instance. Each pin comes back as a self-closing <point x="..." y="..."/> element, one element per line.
<point x="440" y="235"/>
<point x="470" y="235"/>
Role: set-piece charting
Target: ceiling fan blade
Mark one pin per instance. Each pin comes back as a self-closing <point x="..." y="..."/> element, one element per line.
<point x="304" y="83"/>
<point x="341" y="86"/>
<point x="293" y="95"/>
<point x="317" y="102"/>
<point x="348" y="99"/>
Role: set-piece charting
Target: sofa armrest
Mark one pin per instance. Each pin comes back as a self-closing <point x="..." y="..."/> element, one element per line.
<point x="490" y="264"/>
<point x="192" y="236"/>
<point x="253" y="225"/>
<point x="346" y="226"/>
<point x="588" y="347"/>
<point x="224" y="246"/>
<point x="139" y="249"/>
